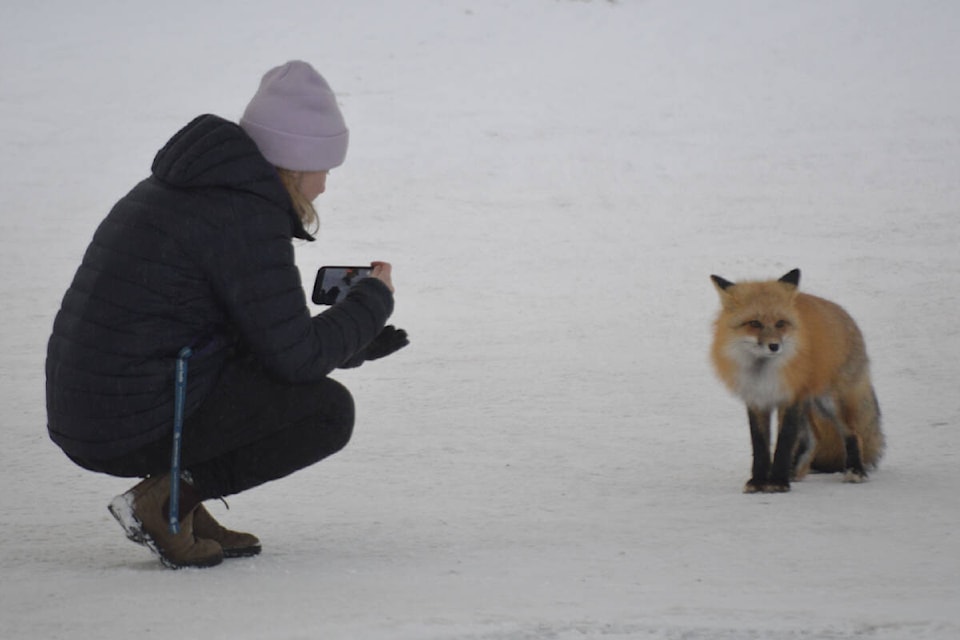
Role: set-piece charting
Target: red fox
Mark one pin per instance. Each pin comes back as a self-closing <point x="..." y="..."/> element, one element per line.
<point x="777" y="348"/>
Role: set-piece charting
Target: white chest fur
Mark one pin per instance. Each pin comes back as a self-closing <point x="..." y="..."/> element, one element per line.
<point x="759" y="380"/>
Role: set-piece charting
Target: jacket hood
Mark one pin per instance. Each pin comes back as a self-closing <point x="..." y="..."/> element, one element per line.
<point x="213" y="152"/>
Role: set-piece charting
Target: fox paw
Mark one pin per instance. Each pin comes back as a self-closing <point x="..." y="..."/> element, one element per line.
<point x="854" y="477"/>
<point x="776" y="487"/>
<point x="765" y="486"/>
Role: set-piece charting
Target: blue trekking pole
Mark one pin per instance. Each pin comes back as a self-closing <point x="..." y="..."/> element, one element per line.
<point x="179" y="394"/>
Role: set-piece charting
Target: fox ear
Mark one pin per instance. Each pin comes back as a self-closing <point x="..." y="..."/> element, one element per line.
<point x="792" y="278"/>
<point x="720" y="283"/>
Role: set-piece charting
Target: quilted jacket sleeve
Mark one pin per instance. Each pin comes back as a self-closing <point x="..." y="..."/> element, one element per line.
<point x="250" y="265"/>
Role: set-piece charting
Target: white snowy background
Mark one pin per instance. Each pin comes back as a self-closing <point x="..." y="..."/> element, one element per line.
<point x="554" y="181"/>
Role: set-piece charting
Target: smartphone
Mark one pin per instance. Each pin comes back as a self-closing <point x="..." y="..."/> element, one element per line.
<point x="333" y="283"/>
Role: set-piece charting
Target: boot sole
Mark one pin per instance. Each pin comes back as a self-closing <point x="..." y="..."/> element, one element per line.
<point x="122" y="510"/>
<point x="242" y="552"/>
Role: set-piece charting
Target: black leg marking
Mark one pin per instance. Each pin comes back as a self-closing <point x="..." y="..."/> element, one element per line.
<point x="853" y="469"/>
<point x="760" y="439"/>
<point x="783" y="458"/>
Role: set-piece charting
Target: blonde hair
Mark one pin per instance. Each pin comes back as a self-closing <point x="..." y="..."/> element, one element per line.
<point x="303" y="207"/>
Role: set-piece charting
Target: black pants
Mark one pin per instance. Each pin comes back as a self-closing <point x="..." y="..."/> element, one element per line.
<point x="252" y="429"/>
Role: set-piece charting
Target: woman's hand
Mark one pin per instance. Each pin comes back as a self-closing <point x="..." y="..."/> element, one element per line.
<point x="381" y="271"/>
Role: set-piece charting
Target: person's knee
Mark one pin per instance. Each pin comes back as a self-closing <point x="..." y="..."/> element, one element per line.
<point x="340" y="436"/>
<point x="339" y="414"/>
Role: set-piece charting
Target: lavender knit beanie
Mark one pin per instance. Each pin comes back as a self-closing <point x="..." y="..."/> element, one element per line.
<point x="295" y="121"/>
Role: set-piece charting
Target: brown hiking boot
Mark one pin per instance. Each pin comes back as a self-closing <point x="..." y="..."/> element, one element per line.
<point x="142" y="512"/>
<point x="234" y="543"/>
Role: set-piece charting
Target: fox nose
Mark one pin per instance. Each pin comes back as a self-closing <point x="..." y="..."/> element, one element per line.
<point x="774" y="347"/>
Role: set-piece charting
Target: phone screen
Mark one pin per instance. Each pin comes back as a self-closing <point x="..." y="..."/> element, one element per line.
<point x="333" y="283"/>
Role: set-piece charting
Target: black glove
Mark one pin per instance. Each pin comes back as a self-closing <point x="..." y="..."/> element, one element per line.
<point x="387" y="341"/>
<point x="390" y="339"/>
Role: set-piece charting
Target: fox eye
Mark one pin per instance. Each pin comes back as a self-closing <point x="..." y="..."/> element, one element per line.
<point x="754" y="324"/>
<point x="781" y="324"/>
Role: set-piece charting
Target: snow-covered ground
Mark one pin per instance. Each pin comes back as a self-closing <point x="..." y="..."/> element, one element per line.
<point x="554" y="181"/>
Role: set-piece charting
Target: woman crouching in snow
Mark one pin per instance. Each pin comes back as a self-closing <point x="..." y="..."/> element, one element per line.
<point x="195" y="266"/>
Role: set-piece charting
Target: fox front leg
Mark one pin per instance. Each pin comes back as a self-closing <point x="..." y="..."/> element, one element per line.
<point x="791" y="419"/>
<point x="760" y="439"/>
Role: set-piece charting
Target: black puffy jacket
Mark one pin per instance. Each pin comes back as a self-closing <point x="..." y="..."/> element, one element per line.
<point x="199" y="254"/>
